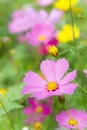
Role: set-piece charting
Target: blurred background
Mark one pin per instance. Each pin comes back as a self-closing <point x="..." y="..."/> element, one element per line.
<point x="18" y="56"/>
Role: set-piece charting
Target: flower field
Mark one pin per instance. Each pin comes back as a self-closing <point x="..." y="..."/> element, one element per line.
<point x="43" y="65"/>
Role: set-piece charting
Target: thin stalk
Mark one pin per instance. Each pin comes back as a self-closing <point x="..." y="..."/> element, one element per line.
<point x="84" y="99"/>
<point x="11" y="123"/>
<point x="72" y="22"/>
<point x="84" y="90"/>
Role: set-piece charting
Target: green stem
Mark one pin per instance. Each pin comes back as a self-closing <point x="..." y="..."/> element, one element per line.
<point x="72" y="22"/>
<point x="11" y="123"/>
<point x="84" y="99"/>
<point x="84" y="90"/>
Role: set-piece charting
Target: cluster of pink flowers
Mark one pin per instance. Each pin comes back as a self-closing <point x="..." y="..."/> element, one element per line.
<point x="35" y="28"/>
<point x="53" y="83"/>
<point x="23" y="20"/>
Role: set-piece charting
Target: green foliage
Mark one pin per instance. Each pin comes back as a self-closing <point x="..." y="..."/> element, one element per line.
<point x="11" y="101"/>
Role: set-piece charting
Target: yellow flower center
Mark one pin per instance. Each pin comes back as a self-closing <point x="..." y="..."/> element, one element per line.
<point x="52" y="86"/>
<point x="42" y="37"/>
<point x="37" y="126"/>
<point x="39" y="109"/>
<point x="72" y="122"/>
<point x="53" y="50"/>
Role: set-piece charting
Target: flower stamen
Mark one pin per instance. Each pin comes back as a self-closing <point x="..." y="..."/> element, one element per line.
<point x="73" y="122"/>
<point x="39" y="109"/>
<point x="42" y="37"/>
<point x="52" y="86"/>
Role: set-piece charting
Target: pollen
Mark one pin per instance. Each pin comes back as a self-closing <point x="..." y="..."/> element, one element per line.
<point x="73" y="122"/>
<point x="53" y="50"/>
<point x="39" y="109"/>
<point x="52" y="86"/>
<point x="37" y="126"/>
<point x="42" y="37"/>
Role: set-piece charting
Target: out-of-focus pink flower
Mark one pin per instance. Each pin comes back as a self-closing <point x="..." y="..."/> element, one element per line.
<point x="40" y="34"/>
<point x="55" y="83"/>
<point x="44" y="2"/>
<point x="85" y="72"/>
<point x="37" y="111"/>
<point x="55" y="16"/>
<point x="72" y="119"/>
<point x="23" y="20"/>
<point x="52" y="18"/>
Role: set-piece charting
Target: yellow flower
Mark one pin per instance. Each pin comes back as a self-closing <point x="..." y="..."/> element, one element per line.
<point x="2" y="92"/>
<point x="64" y="4"/>
<point x="66" y="34"/>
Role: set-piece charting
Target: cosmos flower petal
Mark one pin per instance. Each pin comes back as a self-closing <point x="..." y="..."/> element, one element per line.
<point x="68" y="88"/>
<point x="68" y="78"/>
<point x="33" y="79"/>
<point x="85" y="72"/>
<point x="32" y="102"/>
<point x="27" y="110"/>
<point x="48" y="69"/>
<point x="40" y="95"/>
<point x="46" y="94"/>
<point x="55" y="16"/>
<point x="61" y="67"/>
<point x="33" y="41"/>
<point x="31" y="90"/>
<point x="44" y="3"/>
<point x="34" y="83"/>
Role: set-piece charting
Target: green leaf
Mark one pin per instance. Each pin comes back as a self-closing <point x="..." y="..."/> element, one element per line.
<point x="12" y="98"/>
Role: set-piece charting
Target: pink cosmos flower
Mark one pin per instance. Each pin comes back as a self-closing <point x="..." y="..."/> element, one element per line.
<point x="72" y="119"/>
<point x="40" y="33"/>
<point x="85" y="72"/>
<point x="44" y="2"/>
<point x="55" y="82"/>
<point x="23" y="20"/>
<point x="37" y="111"/>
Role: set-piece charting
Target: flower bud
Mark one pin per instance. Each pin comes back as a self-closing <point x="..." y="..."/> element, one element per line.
<point x="53" y="50"/>
<point x="61" y="99"/>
